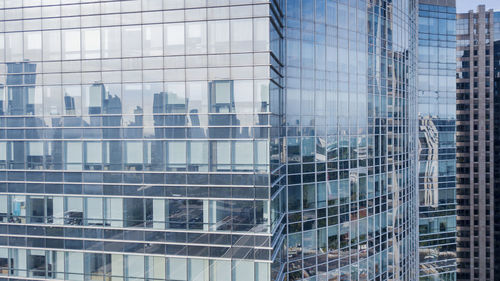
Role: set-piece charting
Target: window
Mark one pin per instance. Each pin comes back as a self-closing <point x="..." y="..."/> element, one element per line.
<point x="135" y="266"/>
<point x="4" y="258"/>
<point x="111" y="42"/>
<point x="174" y="39"/>
<point x="94" y="215"/>
<point x="131" y="41"/>
<point x="177" y="269"/>
<point x="176" y="213"/>
<point x="51" y="45"/>
<point x="74" y="266"/>
<point x="198" y="156"/>
<point x="36" y="263"/>
<point x="73" y="153"/>
<point x="173" y="100"/>
<point x="219" y="270"/>
<point x="93" y="156"/>
<point x="91" y="43"/>
<point x="71" y="44"/>
<point x="241" y="36"/>
<point x="34" y="155"/>
<point x="114" y="211"/>
<point x="196" y="38"/>
<point x="3" y="208"/>
<point x="221" y="96"/>
<point x="152" y="36"/>
<point x="218" y="37"/>
<point x="198" y="270"/>
<point x="176" y="155"/>
<point x="134" y="156"/>
<point x="243" y="270"/>
<point x="74" y="211"/>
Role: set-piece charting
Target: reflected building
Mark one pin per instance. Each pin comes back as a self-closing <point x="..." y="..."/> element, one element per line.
<point x="437" y="152"/>
<point x="207" y="140"/>
<point x="475" y="145"/>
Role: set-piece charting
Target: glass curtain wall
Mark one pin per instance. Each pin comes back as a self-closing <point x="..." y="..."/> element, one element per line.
<point x="351" y="140"/>
<point x="437" y="146"/>
<point x="140" y="140"/>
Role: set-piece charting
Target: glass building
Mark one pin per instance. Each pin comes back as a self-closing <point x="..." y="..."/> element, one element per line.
<point x="437" y="151"/>
<point x="232" y="140"/>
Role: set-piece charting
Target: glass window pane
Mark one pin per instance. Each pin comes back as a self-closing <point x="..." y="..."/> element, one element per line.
<point x="176" y="152"/>
<point x="243" y="96"/>
<point x="198" y="270"/>
<point x="218" y="36"/>
<point x="74" y="266"/>
<point x="261" y="271"/>
<point x="177" y="269"/>
<point x="198" y="153"/>
<point x="174" y="39"/>
<point x="197" y="97"/>
<point x="156" y="268"/>
<point x="71" y="44"/>
<point x="14" y="46"/>
<point x="152" y="36"/>
<point x="135" y="266"/>
<point x="52" y="99"/>
<point x="91" y="43"/>
<point x="3" y="153"/>
<point x="94" y="211"/>
<point x="241" y="35"/>
<point x="93" y="153"/>
<point x="158" y="213"/>
<point x="114" y="211"/>
<point x="111" y="42"/>
<point x="134" y="153"/>
<point x="196" y="38"/>
<point x="243" y="270"/>
<point x="73" y="152"/>
<point x="33" y="46"/>
<point x="175" y="99"/>
<point x="261" y="34"/>
<point x="219" y="270"/>
<point x="222" y="155"/>
<point x="132" y="99"/>
<point x="243" y="155"/>
<point x="72" y="100"/>
<point x="131" y="41"/>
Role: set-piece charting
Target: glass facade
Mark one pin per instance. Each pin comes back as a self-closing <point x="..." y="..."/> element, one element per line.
<point x="208" y="140"/>
<point x="350" y="136"/>
<point x="437" y="147"/>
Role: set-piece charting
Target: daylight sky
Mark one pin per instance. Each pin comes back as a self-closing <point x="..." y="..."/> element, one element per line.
<point x="464" y="6"/>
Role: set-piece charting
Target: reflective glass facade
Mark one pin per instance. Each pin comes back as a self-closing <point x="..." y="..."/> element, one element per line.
<point x="208" y="140"/>
<point x="437" y="152"/>
<point x="351" y="138"/>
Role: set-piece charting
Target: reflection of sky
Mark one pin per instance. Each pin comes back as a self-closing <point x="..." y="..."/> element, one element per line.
<point x="463" y="6"/>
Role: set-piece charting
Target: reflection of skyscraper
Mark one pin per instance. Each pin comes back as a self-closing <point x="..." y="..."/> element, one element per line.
<point x="97" y="99"/>
<point x="21" y="79"/>
<point x="436" y="111"/>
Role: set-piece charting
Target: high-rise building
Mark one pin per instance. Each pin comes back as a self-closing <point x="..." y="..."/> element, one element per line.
<point x="208" y="140"/>
<point x="437" y="152"/>
<point x="475" y="146"/>
<point x="496" y="130"/>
